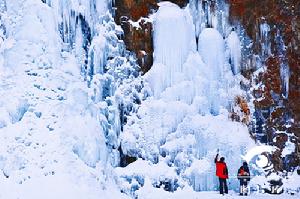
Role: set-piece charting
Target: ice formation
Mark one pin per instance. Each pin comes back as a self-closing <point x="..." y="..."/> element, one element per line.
<point x="209" y="14"/>
<point x="284" y="67"/>
<point x="54" y="135"/>
<point x="265" y="40"/>
<point x="211" y="47"/>
<point x="74" y="104"/>
<point x="184" y="120"/>
<point x="234" y="45"/>
<point x="172" y="47"/>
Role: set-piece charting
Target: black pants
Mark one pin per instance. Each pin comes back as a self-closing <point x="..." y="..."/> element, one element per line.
<point x="243" y="182"/>
<point x="243" y="186"/>
<point x="223" y="185"/>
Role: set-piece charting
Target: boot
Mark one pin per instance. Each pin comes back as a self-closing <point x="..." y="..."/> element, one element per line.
<point x="245" y="190"/>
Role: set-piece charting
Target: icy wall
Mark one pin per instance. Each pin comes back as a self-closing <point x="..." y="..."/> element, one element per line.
<point x="77" y="23"/>
<point x="182" y="122"/>
<point x="88" y="31"/>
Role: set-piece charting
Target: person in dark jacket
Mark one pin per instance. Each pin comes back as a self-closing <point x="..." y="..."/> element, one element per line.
<point x="222" y="173"/>
<point x="244" y="177"/>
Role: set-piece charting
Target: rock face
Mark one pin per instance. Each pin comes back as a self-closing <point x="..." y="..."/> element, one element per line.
<point x="132" y="15"/>
<point x="274" y="27"/>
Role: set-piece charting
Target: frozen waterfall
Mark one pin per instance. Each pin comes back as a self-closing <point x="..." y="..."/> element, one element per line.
<point x="172" y="47"/>
<point x="184" y="120"/>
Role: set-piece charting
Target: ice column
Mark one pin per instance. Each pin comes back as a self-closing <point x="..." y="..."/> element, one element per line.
<point x="234" y="46"/>
<point x="173" y="39"/>
<point x="211" y="48"/>
<point x="284" y="67"/>
<point x="264" y="40"/>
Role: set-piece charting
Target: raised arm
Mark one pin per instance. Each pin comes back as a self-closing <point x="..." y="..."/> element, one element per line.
<point x="216" y="158"/>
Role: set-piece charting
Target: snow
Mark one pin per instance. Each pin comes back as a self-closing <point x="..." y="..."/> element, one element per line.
<point x="148" y="192"/>
<point x="184" y="120"/>
<point x="72" y="97"/>
<point x="288" y="149"/>
<point x="292" y="183"/>
<point x="52" y="146"/>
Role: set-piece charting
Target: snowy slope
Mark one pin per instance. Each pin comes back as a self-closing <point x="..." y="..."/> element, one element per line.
<point x="51" y="144"/>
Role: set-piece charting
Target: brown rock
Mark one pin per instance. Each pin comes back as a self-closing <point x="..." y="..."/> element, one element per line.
<point x="139" y="39"/>
<point x="284" y="18"/>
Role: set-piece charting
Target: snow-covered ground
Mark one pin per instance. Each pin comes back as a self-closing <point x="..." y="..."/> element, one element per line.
<point x="151" y="193"/>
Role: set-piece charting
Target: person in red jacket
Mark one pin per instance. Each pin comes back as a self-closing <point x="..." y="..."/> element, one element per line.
<point x="222" y="173"/>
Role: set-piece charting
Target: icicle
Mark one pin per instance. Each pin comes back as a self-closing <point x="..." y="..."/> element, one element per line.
<point x="264" y="39"/>
<point x="196" y="12"/>
<point x="284" y="67"/>
<point x="285" y="77"/>
<point x="234" y="46"/>
<point x="97" y="56"/>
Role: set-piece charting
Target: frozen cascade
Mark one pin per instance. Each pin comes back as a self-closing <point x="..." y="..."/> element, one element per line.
<point x="184" y="120"/>
<point x="212" y="14"/>
<point x="77" y="22"/>
<point x="285" y="78"/>
<point x="172" y="47"/>
<point x="198" y="16"/>
<point x="51" y="130"/>
<point x="88" y="31"/>
<point x="67" y="14"/>
<point x="97" y="56"/>
<point x="234" y="46"/>
<point x="58" y="126"/>
<point x="88" y="113"/>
